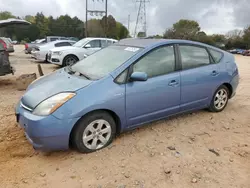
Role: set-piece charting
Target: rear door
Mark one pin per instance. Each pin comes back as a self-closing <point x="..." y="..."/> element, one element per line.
<point x="199" y="77"/>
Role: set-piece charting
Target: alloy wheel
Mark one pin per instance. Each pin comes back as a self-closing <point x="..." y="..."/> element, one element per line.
<point x="97" y="134"/>
<point x="220" y="99"/>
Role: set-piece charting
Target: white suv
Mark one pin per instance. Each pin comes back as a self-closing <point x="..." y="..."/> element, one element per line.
<point x="71" y="54"/>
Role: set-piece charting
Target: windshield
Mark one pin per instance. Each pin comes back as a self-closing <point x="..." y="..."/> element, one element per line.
<point x="103" y="62"/>
<point x="80" y="43"/>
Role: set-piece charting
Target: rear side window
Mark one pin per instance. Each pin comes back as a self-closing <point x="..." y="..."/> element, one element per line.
<point x="53" y="39"/>
<point x="216" y="55"/>
<point x="62" y="44"/>
<point x="193" y="56"/>
<point x="1" y="46"/>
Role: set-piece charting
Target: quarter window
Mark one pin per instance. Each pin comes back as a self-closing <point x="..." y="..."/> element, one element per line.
<point x="158" y="62"/>
<point x="193" y="56"/>
<point x="216" y="55"/>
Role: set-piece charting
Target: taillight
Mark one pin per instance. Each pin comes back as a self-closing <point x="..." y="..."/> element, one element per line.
<point x="26" y="46"/>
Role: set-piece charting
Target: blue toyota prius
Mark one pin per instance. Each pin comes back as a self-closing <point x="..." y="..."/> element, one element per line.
<point x="121" y="87"/>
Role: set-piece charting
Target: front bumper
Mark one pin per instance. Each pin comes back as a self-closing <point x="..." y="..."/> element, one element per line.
<point x="55" y="59"/>
<point x="45" y="133"/>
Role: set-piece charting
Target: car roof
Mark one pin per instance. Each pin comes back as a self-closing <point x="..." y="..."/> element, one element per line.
<point x="145" y="43"/>
<point x="13" y="21"/>
<point x="94" y="38"/>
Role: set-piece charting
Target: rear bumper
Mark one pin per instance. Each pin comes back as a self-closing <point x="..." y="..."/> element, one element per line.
<point x="45" y="133"/>
<point x="234" y="83"/>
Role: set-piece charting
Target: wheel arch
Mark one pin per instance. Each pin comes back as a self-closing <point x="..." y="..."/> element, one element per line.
<point x="112" y="113"/>
<point x="229" y="87"/>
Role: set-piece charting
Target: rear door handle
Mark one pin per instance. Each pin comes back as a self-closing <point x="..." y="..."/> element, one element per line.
<point x="173" y="83"/>
<point x="214" y="73"/>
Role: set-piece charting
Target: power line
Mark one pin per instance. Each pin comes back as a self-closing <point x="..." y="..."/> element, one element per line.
<point x="96" y="12"/>
<point x="141" y="21"/>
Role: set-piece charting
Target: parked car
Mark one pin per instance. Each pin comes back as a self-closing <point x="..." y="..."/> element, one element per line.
<point x="5" y="66"/>
<point x="124" y="86"/>
<point x="41" y="53"/>
<point x="9" y="45"/>
<point x="246" y="53"/>
<point x="31" y="46"/>
<point x="69" y="55"/>
<point x="237" y="51"/>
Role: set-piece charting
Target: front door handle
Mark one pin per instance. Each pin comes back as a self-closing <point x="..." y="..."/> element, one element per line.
<point x="173" y="83"/>
<point x="214" y="73"/>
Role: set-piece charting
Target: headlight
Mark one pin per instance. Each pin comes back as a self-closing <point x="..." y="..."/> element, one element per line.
<point x="57" y="53"/>
<point x="51" y="104"/>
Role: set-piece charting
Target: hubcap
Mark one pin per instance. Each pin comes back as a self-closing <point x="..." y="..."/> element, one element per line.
<point x="220" y="99"/>
<point x="97" y="134"/>
<point x="70" y="61"/>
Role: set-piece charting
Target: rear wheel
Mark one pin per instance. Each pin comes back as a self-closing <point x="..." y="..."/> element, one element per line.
<point x="94" y="132"/>
<point x="220" y="99"/>
<point x="70" y="60"/>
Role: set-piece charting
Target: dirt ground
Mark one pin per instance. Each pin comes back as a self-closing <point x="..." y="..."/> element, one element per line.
<point x="170" y="153"/>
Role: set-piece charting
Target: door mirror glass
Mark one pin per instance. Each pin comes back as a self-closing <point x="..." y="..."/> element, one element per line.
<point x="87" y="46"/>
<point x="139" y="76"/>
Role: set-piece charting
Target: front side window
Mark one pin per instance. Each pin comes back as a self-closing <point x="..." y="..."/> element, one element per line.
<point x="95" y="44"/>
<point x="158" y="62"/>
<point x="193" y="56"/>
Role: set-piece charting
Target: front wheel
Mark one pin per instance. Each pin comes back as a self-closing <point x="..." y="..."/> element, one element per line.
<point x="69" y="60"/>
<point x="220" y="99"/>
<point x="94" y="132"/>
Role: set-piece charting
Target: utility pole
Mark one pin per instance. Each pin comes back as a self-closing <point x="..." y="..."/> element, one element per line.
<point x="141" y="21"/>
<point x="106" y="21"/>
<point x="96" y="13"/>
<point x="128" y="22"/>
<point x="86" y="22"/>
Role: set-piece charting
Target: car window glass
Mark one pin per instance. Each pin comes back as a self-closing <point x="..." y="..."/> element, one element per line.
<point x="53" y="39"/>
<point x="1" y="47"/>
<point x="193" y="56"/>
<point x="95" y="44"/>
<point x="62" y="44"/>
<point x="105" y="43"/>
<point x="122" y="77"/>
<point x="158" y="62"/>
<point x="216" y="55"/>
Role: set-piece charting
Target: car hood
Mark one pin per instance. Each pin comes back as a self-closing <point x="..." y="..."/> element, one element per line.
<point x="52" y="84"/>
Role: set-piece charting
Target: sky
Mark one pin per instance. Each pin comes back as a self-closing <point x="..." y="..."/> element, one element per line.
<point x="214" y="16"/>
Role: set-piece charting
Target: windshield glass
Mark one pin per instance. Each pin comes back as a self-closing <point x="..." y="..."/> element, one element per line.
<point x="103" y="62"/>
<point x="80" y="43"/>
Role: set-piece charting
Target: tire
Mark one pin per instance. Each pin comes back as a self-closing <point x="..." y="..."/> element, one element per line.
<point x="69" y="60"/>
<point x="98" y="129"/>
<point x="219" y="104"/>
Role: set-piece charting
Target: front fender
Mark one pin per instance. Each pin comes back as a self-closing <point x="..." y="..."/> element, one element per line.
<point x="101" y="95"/>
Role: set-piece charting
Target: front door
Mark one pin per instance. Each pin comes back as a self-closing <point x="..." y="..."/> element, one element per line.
<point x="159" y="96"/>
<point x="199" y="77"/>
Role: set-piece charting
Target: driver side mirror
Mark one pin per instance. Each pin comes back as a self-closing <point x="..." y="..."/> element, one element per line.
<point x="139" y="76"/>
<point x="87" y="46"/>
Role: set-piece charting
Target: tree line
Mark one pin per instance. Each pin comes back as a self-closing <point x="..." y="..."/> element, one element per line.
<point x="67" y="26"/>
<point x="63" y="25"/>
<point x="190" y="30"/>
